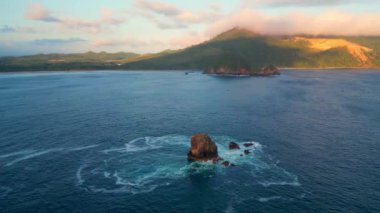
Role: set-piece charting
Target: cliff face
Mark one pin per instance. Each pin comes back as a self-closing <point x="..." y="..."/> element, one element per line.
<point x="202" y="148"/>
<point x="224" y="70"/>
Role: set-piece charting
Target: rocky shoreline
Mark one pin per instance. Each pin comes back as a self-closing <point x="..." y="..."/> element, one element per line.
<point x="268" y="70"/>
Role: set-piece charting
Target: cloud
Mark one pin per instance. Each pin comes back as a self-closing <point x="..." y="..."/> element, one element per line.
<point x="159" y="7"/>
<point x="169" y="16"/>
<point x="9" y="29"/>
<point x="170" y="25"/>
<point x="129" y="44"/>
<point x="56" y="41"/>
<point x="284" y="3"/>
<point x="107" y="18"/>
<point x="327" y="22"/>
<point x="215" y="7"/>
<point x="38" y="12"/>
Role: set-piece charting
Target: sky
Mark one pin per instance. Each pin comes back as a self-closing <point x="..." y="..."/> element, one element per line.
<point x="146" y="26"/>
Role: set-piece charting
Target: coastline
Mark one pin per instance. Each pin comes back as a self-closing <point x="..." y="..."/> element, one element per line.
<point x="95" y="70"/>
<point x="330" y="68"/>
<point x="191" y="70"/>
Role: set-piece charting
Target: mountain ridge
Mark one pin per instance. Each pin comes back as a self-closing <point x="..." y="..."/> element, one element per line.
<point x="233" y="49"/>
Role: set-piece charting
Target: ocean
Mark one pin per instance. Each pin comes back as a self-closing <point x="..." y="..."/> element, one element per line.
<point x="117" y="141"/>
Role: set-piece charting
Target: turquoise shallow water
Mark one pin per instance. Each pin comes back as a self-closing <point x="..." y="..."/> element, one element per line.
<point x="117" y="141"/>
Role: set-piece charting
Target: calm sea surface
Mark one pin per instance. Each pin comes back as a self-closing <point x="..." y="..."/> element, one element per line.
<point x="117" y="142"/>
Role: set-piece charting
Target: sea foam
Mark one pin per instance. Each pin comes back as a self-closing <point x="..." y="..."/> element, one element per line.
<point x="147" y="163"/>
<point x="29" y="154"/>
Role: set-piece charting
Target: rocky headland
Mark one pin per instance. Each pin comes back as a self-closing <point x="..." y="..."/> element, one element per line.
<point x="243" y="71"/>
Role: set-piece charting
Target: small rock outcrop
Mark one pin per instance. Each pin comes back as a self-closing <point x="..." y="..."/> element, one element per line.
<point x="248" y="144"/>
<point x="233" y="145"/>
<point x="268" y="70"/>
<point x="202" y="149"/>
<point x="226" y="163"/>
<point x="247" y="151"/>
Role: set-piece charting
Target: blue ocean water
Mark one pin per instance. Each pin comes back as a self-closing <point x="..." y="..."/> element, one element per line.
<point x="117" y="142"/>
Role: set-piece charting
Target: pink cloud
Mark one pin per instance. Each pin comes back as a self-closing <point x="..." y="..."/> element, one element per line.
<point x="107" y="18"/>
<point x="175" y="17"/>
<point x="328" y="22"/>
<point x="39" y="12"/>
<point x="127" y="42"/>
<point x="281" y="3"/>
<point x="159" y="7"/>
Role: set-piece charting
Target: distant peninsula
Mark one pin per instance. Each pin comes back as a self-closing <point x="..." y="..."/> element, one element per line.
<point x="236" y="51"/>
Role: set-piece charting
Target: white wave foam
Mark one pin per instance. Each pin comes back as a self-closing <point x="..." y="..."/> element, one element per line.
<point x="123" y="189"/>
<point x="33" y="155"/>
<point x="149" y="143"/>
<point x="83" y="147"/>
<point x="80" y="180"/>
<point x="29" y="154"/>
<point x="284" y="178"/>
<point x="267" y="199"/>
<point x="124" y="173"/>
<point x="107" y="174"/>
<point x="279" y="183"/>
<point x="107" y="151"/>
<point x="22" y="152"/>
<point x="237" y="156"/>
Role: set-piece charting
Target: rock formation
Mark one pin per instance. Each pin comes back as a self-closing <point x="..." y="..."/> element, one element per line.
<point x="233" y="145"/>
<point x="248" y="144"/>
<point x="226" y="163"/>
<point x="268" y="70"/>
<point x="202" y="149"/>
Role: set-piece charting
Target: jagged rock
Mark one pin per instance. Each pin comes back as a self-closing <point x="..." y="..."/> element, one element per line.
<point x="202" y="149"/>
<point x="226" y="163"/>
<point x="247" y="151"/>
<point x="217" y="159"/>
<point x="233" y="145"/>
<point x="248" y="144"/>
<point x="268" y="70"/>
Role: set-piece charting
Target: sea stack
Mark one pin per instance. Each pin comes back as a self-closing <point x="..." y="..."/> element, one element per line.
<point x="202" y="149"/>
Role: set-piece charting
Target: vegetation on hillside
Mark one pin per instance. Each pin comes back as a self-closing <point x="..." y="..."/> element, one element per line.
<point x="235" y="48"/>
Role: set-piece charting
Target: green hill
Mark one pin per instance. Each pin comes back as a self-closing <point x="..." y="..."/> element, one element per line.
<point x="79" y="61"/>
<point x="236" y="48"/>
<point x="242" y="48"/>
